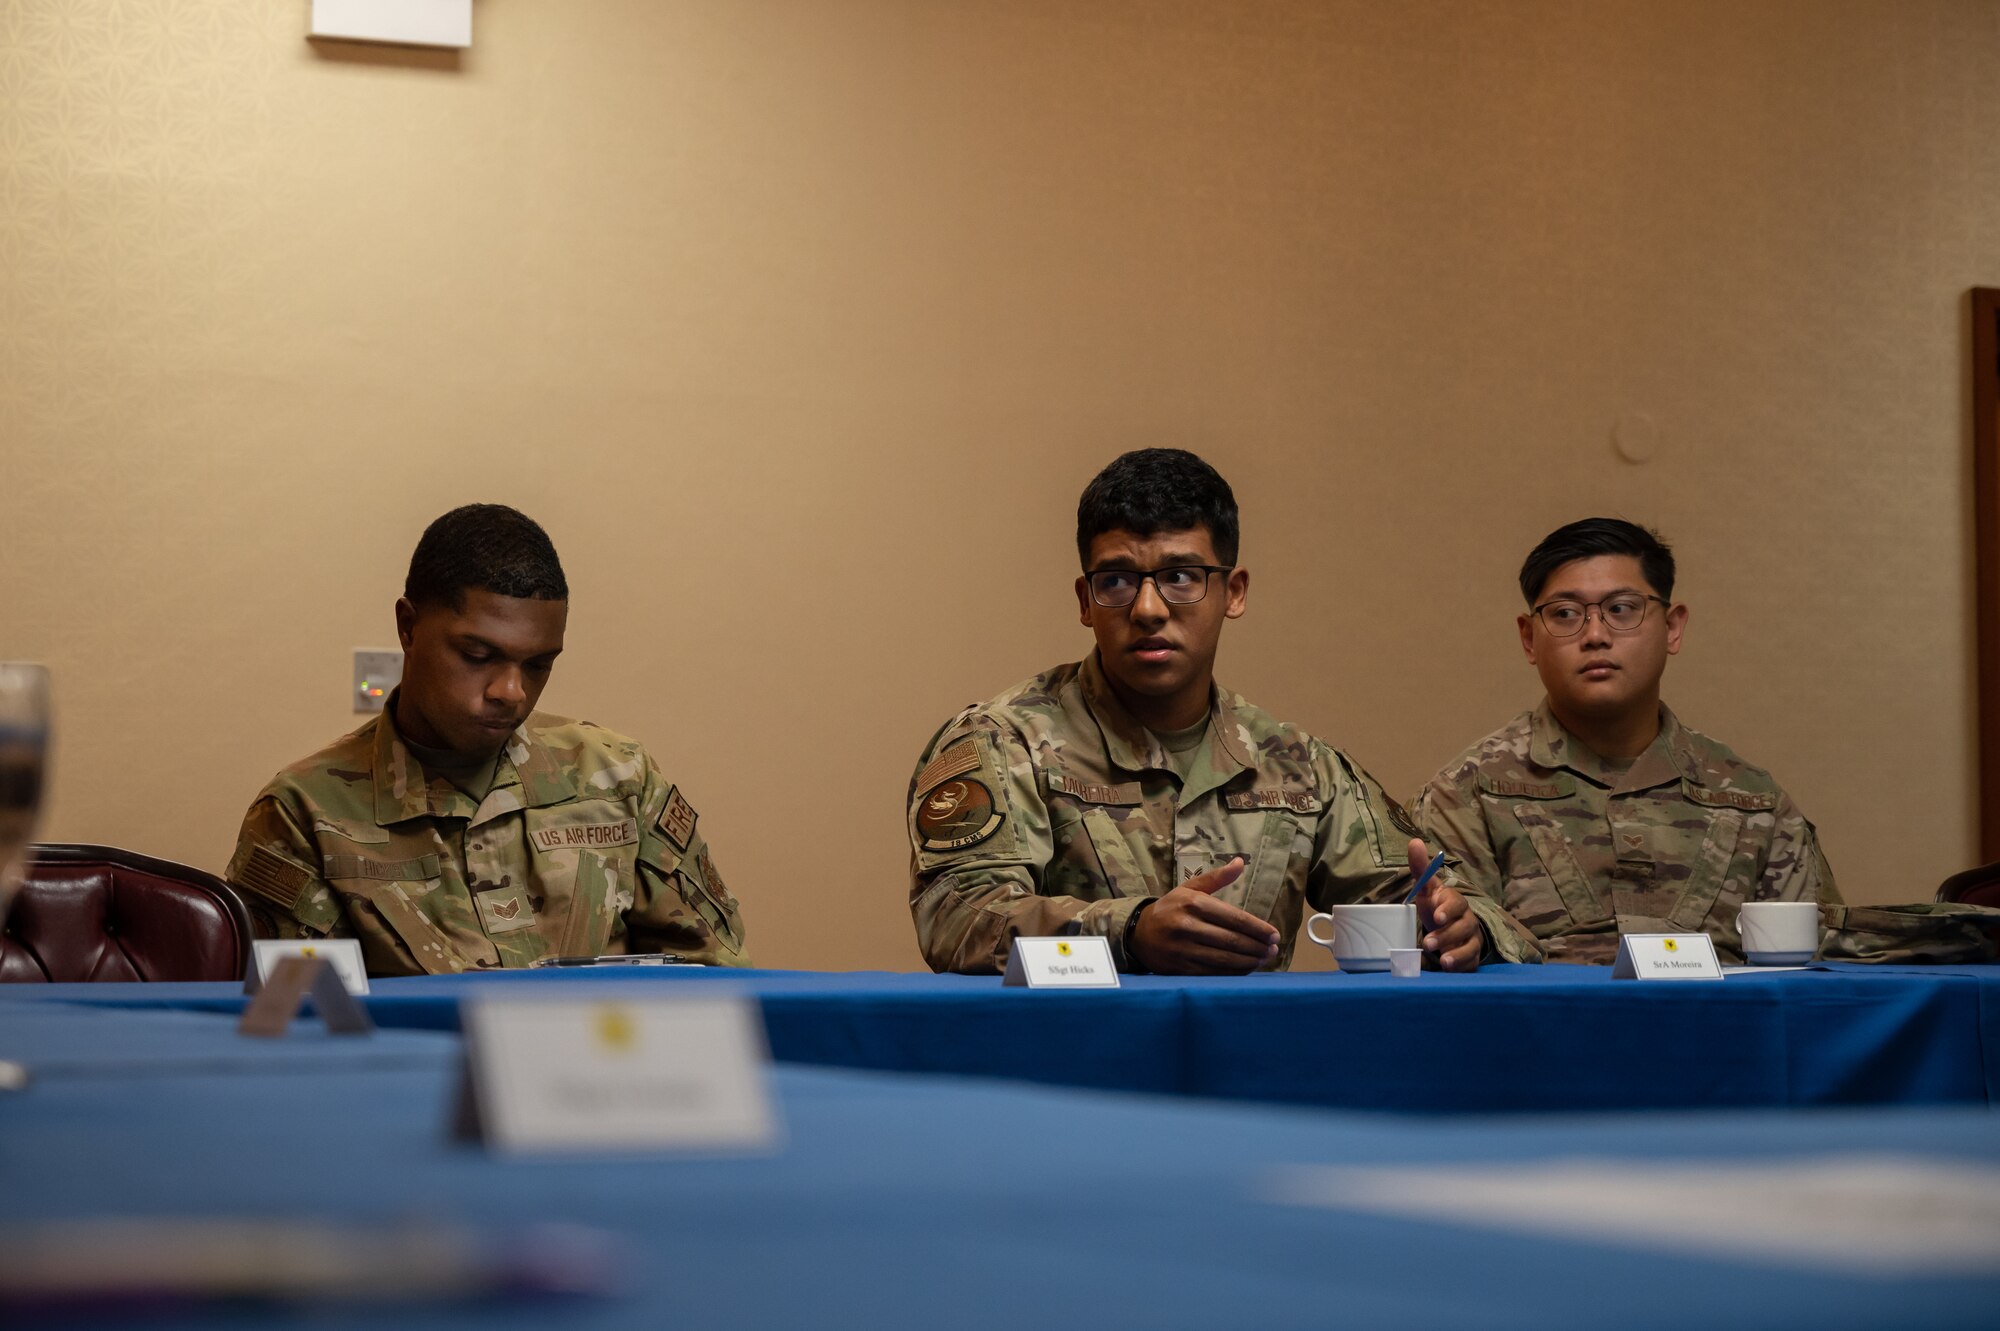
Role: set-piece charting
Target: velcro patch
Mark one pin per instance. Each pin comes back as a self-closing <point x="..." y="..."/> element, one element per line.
<point x="677" y="819"/>
<point x="588" y="836"/>
<point x="274" y="878"/>
<point x="716" y="887"/>
<point x="1093" y="793"/>
<point x="505" y="910"/>
<point x="1298" y="801"/>
<point x="1732" y="799"/>
<point x="956" y="760"/>
<point x="1400" y="816"/>
<point x="957" y="813"/>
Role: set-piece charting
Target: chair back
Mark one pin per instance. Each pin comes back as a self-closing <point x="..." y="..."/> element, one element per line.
<point x="99" y="913"/>
<point x="1974" y="887"/>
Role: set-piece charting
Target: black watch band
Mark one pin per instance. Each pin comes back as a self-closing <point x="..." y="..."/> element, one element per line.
<point x="1125" y="938"/>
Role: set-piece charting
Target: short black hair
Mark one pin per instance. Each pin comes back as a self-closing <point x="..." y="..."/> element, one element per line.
<point x="1153" y="490"/>
<point x="484" y="547"/>
<point x="1599" y="536"/>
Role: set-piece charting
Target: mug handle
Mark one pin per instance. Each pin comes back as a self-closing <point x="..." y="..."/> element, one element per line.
<point x="1311" y="921"/>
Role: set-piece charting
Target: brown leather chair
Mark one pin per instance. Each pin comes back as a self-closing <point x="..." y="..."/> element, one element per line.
<point x="99" y="913"/>
<point x="1974" y="887"/>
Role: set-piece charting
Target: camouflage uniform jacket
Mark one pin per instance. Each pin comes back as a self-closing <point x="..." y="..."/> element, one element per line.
<point x="1579" y="853"/>
<point x="580" y="847"/>
<point x="1050" y="810"/>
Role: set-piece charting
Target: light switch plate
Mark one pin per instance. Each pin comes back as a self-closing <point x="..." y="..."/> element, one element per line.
<point x="376" y="671"/>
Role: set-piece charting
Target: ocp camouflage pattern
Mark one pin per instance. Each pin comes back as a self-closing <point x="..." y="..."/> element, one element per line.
<point x="1941" y="932"/>
<point x="1050" y="810"/>
<point x="1579" y="852"/>
<point x="579" y="848"/>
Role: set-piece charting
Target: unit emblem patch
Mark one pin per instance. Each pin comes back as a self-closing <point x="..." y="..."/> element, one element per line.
<point x="957" y="813"/>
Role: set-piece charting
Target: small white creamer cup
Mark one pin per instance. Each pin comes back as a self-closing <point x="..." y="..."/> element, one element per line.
<point x="1406" y="962"/>
<point x="1779" y="933"/>
<point x="1363" y="935"/>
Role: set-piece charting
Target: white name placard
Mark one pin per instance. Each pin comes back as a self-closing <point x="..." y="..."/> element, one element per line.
<point x="1081" y="962"/>
<point x="1666" y="957"/>
<point x="343" y="954"/>
<point x="611" y="1072"/>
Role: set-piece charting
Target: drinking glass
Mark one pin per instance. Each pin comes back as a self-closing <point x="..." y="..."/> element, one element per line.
<point x="24" y="748"/>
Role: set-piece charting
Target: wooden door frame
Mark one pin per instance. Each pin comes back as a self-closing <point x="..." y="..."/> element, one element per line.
<point x="1986" y="544"/>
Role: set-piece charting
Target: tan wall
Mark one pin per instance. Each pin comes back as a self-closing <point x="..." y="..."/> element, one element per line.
<point x="800" y="325"/>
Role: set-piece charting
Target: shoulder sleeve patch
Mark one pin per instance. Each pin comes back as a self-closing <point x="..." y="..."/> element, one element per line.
<point x="274" y="878"/>
<point x="954" y="760"/>
<point x="677" y="819"/>
<point x="955" y="814"/>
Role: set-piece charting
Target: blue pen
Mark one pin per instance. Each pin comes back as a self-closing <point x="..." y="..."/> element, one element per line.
<point x="1437" y="862"/>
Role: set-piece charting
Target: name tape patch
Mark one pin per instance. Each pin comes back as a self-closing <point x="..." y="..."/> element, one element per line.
<point x="1298" y="801"/>
<point x="1091" y="792"/>
<point x="586" y="836"/>
<point x="1734" y="799"/>
<point x="1527" y="789"/>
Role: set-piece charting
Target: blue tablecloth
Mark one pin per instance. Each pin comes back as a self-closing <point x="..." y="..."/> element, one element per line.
<point x="1508" y="1038"/>
<point x="933" y="1201"/>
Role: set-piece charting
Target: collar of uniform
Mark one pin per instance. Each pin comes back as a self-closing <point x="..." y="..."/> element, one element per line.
<point x="403" y="787"/>
<point x="1134" y="748"/>
<point x="1667" y="758"/>
<point x="1227" y="759"/>
<point x="540" y="767"/>
<point x="1678" y="750"/>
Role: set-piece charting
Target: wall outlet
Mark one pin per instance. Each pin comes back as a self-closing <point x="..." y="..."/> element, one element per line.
<point x="376" y="671"/>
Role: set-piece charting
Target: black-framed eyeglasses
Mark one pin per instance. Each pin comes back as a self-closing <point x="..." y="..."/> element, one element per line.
<point x="1178" y="584"/>
<point x="1621" y="613"/>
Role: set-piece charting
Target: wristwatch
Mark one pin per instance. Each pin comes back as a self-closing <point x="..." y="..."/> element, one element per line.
<point x="1125" y="938"/>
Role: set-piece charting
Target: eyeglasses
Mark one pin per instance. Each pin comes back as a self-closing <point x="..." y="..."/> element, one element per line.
<point x="1621" y="614"/>
<point x="1182" y="584"/>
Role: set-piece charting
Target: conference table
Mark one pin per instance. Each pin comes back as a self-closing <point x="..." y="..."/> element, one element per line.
<point x="1505" y="1039"/>
<point x="901" y="1200"/>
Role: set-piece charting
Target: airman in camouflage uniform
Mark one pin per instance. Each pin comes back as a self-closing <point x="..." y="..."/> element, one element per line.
<point x="461" y="828"/>
<point x="1128" y="796"/>
<point x="1049" y="810"/>
<point x="1579" y="851"/>
<point x="579" y="847"/>
<point x="1599" y="813"/>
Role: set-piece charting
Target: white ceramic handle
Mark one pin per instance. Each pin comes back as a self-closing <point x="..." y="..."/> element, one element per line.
<point x="1310" y="922"/>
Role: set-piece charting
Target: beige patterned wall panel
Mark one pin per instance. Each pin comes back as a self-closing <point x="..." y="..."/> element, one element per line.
<point x="801" y="325"/>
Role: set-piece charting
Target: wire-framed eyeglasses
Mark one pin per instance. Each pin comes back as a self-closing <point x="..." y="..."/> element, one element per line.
<point x="1622" y="613"/>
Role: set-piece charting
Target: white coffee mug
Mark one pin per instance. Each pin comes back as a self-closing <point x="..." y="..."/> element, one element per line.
<point x="1363" y="935"/>
<point x="1779" y="933"/>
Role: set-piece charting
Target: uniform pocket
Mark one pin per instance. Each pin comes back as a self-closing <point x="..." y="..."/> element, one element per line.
<point x="1268" y="866"/>
<point x="1122" y="872"/>
<point x="1710" y="877"/>
<point x="393" y="902"/>
<point x="1568" y="897"/>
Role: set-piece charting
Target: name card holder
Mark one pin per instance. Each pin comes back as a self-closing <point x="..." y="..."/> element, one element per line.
<point x="270" y="1013"/>
<point x="1666" y="957"/>
<point x="608" y="1073"/>
<point x="344" y="954"/>
<point x="1082" y="961"/>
